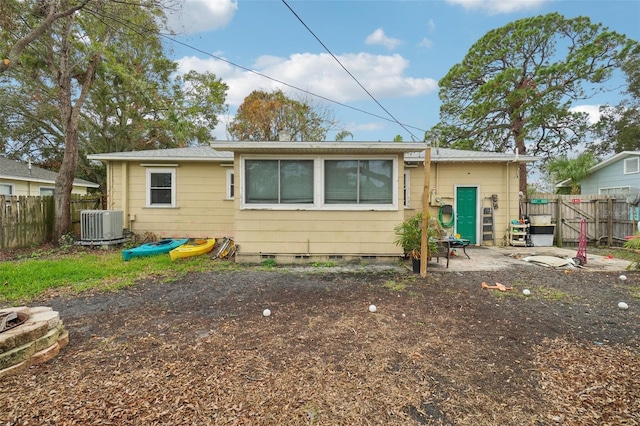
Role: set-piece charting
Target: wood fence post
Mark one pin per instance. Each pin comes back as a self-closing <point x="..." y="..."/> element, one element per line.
<point x="609" y="223"/>
<point x="596" y="218"/>
<point x="559" y="228"/>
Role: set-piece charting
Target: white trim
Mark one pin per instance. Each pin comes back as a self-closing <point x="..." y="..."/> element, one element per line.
<point x="615" y="188"/>
<point x="479" y="216"/>
<point x="628" y="161"/>
<point x="158" y="165"/>
<point x="48" y="188"/>
<point x="407" y="189"/>
<point x="231" y="183"/>
<point x="8" y="185"/>
<point x="318" y="179"/>
<point x="149" y="171"/>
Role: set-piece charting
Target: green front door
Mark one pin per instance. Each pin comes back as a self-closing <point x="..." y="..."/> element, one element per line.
<point x="466" y="212"/>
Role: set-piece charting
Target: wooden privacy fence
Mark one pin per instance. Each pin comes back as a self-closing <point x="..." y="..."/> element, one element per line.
<point x="30" y="220"/>
<point x="609" y="220"/>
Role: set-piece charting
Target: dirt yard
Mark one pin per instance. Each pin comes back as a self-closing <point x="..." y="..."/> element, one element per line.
<point x="438" y="351"/>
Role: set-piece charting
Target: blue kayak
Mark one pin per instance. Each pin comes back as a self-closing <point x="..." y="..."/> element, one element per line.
<point x="152" y="249"/>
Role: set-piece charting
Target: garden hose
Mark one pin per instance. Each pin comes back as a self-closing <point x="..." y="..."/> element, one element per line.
<point x="451" y="221"/>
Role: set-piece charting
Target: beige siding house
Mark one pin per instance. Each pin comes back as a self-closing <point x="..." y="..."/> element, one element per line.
<point x="303" y="201"/>
<point x="19" y="178"/>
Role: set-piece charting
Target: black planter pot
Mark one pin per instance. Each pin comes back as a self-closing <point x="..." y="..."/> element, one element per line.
<point x="415" y="263"/>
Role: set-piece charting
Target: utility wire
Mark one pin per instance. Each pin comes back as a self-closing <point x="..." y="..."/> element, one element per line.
<point x="126" y="23"/>
<point x="394" y="119"/>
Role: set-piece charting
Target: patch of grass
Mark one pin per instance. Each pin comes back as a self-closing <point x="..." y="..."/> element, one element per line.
<point x="550" y="293"/>
<point x="324" y="264"/>
<point x="394" y="286"/>
<point x="414" y="294"/>
<point x="26" y="279"/>
<point x="269" y="263"/>
<point x="505" y="294"/>
<point x="634" y="291"/>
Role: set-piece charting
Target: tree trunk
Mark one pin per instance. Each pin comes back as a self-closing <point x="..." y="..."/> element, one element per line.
<point x="70" y="118"/>
<point x="521" y="149"/>
<point x="64" y="183"/>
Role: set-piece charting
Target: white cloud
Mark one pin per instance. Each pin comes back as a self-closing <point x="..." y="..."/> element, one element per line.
<point x="592" y="110"/>
<point x="425" y="42"/>
<point x="431" y="25"/>
<point x="198" y="16"/>
<point x="382" y="75"/>
<point x="500" y="6"/>
<point x="379" y="37"/>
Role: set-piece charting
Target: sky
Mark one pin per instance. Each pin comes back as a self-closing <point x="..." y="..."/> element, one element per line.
<point x="390" y="54"/>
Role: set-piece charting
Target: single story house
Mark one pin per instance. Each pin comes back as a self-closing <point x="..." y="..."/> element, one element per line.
<point x="619" y="176"/>
<point x="307" y="201"/>
<point x="20" y="178"/>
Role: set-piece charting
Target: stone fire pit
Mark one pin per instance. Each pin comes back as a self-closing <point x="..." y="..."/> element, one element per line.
<point x="37" y="338"/>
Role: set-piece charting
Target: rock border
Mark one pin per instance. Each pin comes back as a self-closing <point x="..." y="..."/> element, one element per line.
<point x="37" y="340"/>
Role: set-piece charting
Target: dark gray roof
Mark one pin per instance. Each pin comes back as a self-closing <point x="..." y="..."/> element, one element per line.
<point x="19" y="170"/>
<point x="193" y="153"/>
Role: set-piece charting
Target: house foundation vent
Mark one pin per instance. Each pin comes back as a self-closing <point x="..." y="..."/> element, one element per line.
<point x="101" y="225"/>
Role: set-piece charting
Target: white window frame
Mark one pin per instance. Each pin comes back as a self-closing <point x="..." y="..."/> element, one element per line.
<point x="7" y="185"/>
<point x="407" y="188"/>
<point x="50" y="191"/>
<point x="151" y="171"/>
<point x="318" y="183"/>
<point x="615" y="190"/>
<point x="631" y="165"/>
<point x="231" y="185"/>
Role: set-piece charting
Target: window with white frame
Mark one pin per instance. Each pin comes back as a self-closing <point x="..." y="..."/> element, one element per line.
<point x="358" y="182"/>
<point x="632" y="165"/>
<point x="161" y="187"/>
<point x="231" y="184"/>
<point x="613" y="191"/>
<point x="47" y="191"/>
<point x="279" y="181"/>
<point x="319" y="183"/>
<point x="6" y="189"/>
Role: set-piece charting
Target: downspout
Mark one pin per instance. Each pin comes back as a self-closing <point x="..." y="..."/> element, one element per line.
<point x="509" y="207"/>
<point x="125" y="194"/>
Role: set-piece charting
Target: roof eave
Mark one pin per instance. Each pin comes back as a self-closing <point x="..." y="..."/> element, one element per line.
<point x="107" y="157"/>
<point x="318" y="147"/>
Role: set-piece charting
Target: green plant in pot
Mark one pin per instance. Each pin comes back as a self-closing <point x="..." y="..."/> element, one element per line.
<point x="409" y="235"/>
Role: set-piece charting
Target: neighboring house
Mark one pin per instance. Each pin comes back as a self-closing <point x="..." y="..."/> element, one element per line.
<point x="19" y="178"/>
<point x="301" y="201"/>
<point x="618" y="176"/>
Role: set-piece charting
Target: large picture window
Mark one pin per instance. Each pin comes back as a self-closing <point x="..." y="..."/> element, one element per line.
<point x="358" y="182"/>
<point x="279" y="181"/>
<point x="319" y="183"/>
<point x="161" y="188"/>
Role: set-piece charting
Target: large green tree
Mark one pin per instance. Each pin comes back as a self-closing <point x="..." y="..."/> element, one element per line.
<point x="514" y="89"/>
<point x="97" y="79"/>
<point x="619" y="126"/>
<point x="264" y="116"/>
<point x="22" y="22"/>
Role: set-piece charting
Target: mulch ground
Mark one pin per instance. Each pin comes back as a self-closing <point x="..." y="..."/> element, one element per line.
<point x="438" y="351"/>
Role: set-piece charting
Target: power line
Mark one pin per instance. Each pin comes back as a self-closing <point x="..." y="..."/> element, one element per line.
<point x="393" y="120"/>
<point x="346" y="70"/>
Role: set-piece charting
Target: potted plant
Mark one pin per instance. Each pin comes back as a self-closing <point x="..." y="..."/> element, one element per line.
<point x="409" y="237"/>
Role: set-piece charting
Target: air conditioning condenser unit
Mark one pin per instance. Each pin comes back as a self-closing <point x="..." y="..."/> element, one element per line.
<point x="101" y="225"/>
